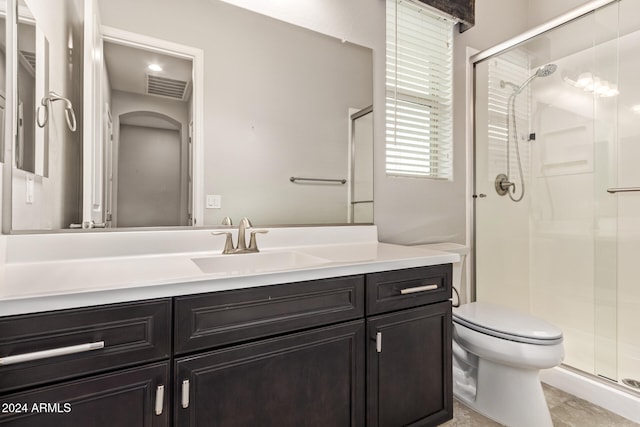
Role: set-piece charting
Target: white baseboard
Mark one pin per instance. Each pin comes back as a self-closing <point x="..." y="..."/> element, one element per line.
<point x="599" y="393"/>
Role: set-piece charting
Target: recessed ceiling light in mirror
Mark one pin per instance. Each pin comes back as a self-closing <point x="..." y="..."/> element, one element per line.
<point x="155" y="67"/>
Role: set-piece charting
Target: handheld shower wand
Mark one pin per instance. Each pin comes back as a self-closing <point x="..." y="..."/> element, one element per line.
<point x="503" y="182"/>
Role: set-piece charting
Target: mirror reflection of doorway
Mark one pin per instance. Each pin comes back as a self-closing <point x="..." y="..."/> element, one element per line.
<point x="149" y="96"/>
<point x="149" y="172"/>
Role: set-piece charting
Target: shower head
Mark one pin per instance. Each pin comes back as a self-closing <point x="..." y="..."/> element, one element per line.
<point x="546" y="70"/>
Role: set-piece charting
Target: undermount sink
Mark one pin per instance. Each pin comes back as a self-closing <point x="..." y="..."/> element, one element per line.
<point x="257" y="262"/>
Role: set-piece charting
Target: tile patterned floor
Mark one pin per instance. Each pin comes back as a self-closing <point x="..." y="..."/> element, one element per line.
<point x="566" y="411"/>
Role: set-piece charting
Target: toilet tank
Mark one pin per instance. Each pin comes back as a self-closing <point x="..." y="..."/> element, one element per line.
<point x="458" y="267"/>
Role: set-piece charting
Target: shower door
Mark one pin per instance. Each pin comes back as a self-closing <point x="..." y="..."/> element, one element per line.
<point x="626" y="176"/>
<point x="554" y="115"/>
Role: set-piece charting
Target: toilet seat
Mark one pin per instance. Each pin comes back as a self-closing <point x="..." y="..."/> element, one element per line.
<point x="501" y="322"/>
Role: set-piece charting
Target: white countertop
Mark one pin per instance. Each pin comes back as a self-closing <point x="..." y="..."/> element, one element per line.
<point x="55" y="282"/>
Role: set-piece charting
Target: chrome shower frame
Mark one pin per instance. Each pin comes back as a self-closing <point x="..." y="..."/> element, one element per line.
<point x="498" y="49"/>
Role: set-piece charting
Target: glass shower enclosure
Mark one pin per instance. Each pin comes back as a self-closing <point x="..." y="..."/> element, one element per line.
<point x="557" y="184"/>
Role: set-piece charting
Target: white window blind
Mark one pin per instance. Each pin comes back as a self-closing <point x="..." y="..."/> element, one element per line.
<point x="419" y="92"/>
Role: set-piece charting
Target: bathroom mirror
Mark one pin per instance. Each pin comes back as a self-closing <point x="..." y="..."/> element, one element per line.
<point x="278" y="101"/>
<point x="33" y="56"/>
<point x="45" y="183"/>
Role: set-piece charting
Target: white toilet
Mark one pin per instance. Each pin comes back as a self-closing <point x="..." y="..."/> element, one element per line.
<point x="497" y="356"/>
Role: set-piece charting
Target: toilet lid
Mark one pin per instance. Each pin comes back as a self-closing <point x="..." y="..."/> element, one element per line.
<point x="505" y="323"/>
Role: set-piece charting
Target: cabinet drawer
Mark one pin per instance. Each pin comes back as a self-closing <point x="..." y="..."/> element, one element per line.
<point x="45" y="347"/>
<point x="221" y="318"/>
<point x="399" y="289"/>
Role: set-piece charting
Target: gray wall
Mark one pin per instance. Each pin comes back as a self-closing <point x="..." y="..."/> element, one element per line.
<point x="411" y="211"/>
<point x="540" y="11"/>
<point x="406" y="210"/>
<point x="149" y="177"/>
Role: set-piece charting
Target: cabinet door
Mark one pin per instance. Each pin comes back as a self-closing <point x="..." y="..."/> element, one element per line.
<point x="311" y="378"/>
<point x="126" y="398"/>
<point x="409" y="377"/>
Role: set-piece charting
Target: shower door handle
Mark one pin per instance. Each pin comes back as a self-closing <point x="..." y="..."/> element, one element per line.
<point x="622" y="190"/>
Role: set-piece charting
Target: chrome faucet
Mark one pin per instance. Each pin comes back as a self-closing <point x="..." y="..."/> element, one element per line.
<point x="241" y="248"/>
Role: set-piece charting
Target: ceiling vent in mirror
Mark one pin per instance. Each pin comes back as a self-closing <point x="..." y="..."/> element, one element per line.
<point x="170" y="88"/>
<point x="30" y="58"/>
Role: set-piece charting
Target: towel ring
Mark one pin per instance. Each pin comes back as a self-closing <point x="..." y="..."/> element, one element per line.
<point x="45" y="105"/>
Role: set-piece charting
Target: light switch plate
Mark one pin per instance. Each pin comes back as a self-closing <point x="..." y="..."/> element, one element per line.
<point x="29" y="190"/>
<point x="214" y="201"/>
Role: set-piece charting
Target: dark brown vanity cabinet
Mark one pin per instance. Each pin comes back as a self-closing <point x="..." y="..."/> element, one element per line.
<point x="294" y="354"/>
<point x="409" y="373"/>
<point x="370" y="349"/>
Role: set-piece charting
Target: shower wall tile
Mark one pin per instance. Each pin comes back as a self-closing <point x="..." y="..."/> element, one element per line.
<point x="562" y="238"/>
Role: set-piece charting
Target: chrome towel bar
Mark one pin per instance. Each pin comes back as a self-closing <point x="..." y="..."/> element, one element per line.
<point x="339" y="181"/>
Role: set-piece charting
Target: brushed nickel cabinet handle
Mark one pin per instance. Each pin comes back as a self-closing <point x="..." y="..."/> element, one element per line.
<point x="159" y="399"/>
<point x="379" y="342"/>
<point x="185" y="394"/>
<point x="418" y="289"/>
<point x="45" y="354"/>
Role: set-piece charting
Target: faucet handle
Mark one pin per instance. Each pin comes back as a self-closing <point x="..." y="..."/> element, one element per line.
<point x="253" y="245"/>
<point x="227" y="221"/>
<point x="228" y="243"/>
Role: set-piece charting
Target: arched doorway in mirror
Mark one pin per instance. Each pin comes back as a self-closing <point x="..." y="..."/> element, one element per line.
<point x="150" y="172"/>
